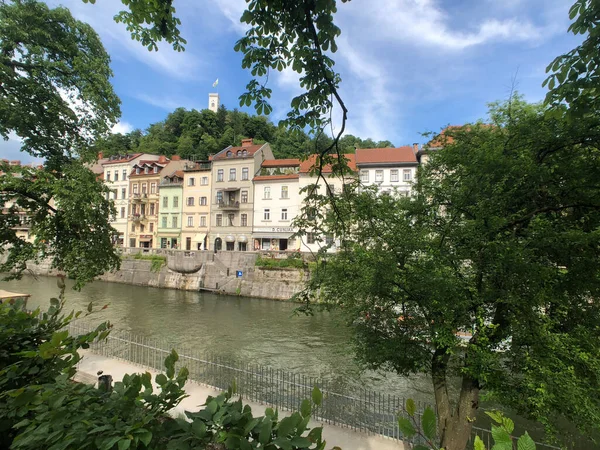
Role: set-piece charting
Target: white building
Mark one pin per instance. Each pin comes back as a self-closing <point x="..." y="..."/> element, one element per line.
<point x="391" y="169"/>
<point x="213" y="102"/>
<point x="277" y="201"/>
<point x="116" y="170"/>
<point x="312" y="241"/>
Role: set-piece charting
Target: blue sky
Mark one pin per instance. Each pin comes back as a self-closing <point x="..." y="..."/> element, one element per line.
<point x="407" y="66"/>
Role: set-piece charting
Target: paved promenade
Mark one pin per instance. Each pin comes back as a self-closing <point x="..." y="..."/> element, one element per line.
<point x="335" y="436"/>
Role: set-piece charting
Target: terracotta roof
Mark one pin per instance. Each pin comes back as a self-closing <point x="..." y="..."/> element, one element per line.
<point x="307" y="165"/>
<point x="250" y="149"/>
<point x="387" y="155"/>
<point x="178" y="173"/>
<point x="127" y="158"/>
<point x="281" y="162"/>
<point x="291" y="176"/>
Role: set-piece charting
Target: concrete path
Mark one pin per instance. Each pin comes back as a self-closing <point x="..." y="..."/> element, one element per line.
<point x="335" y="436"/>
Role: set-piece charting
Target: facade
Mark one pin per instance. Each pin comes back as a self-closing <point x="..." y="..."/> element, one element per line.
<point x="232" y="195"/>
<point x="277" y="202"/>
<point x="312" y="242"/>
<point x="116" y="170"/>
<point x="390" y="169"/>
<point x="213" y="102"/>
<point x="142" y="223"/>
<point x="196" y="205"/>
<point x="170" y="208"/>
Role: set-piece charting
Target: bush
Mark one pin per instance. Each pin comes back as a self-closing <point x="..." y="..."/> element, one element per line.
<point x="273" y="263"/>
<point x="157" y="261"/>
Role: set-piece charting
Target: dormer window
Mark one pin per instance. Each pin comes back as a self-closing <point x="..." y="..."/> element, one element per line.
<point x="155" y="169"/>
<point x="137" y="170"/>
<point x="239" y="152"/>
<point x="229" y="154"/>
<point x="244" y="152"/>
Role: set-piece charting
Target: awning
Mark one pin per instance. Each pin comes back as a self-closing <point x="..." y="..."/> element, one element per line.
<point x="243" y="239"/>
<point x="230" y="238"/>
<point x="143" y="239"/>
<point x="199" y="237"/>
<point x="272" y="235"/>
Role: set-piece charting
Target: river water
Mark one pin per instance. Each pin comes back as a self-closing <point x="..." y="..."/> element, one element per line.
<point x="265" y="332"/>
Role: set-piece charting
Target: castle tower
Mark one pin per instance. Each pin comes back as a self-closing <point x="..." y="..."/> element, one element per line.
<point x="213" y="102"/>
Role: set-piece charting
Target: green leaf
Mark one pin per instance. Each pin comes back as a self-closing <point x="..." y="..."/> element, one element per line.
<point x="406" y="427"/>
<point x="286" y="426"/>
<point x="428" y="423"/>
<point x="212" y="406"/>
<point x="317" y="396"/>
<point x="161" y="379"/>
<point x="145" y="437"/>
<point x="265" y="431"/>
<point x="525" y="442"/>
<point x="300" y="441"/>
<point x="283" y="443"/>
<point x="305" y="408"/>
<point x="411" y="407"/>
<point x="502" y="439"/>
<point x="478" y="444"/>
<point x="420" y="447"/>
<point x="124" y="444"/>
<point x="199" y="428"/>
<point x="496" y="416"/>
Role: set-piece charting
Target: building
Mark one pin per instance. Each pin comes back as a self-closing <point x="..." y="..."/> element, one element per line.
<point x="170" y="206"/>
<point x="232" y="208"/>
<point x="196" y="205"/>
<point x="312" y="241"/>
<point x="116" y="170"/>
<point x="390" y="169"/>
<point x="213" y="102"/>
<point x="277" y="202"/>
<point x="142" y="223"/>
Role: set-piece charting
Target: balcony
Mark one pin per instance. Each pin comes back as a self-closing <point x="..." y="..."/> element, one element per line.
<point x="138" y="217"/>
<point x="228" y="205"/>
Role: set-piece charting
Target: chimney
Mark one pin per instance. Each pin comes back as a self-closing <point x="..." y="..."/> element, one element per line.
<point x="15" y="162"/>
<point x="100" y="155"/>
<point x="162" y="159"/>
<point x="247" y="142"/>
<point x="175" y="158"/>
<point x="415" y="147"/>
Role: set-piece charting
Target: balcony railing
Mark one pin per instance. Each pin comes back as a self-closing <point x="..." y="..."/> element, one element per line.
<point x="138" y="217"/>
<point x="228" y="205"/>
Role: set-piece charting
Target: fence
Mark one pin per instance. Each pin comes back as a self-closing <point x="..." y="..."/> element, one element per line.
<point x="363" y="410"/>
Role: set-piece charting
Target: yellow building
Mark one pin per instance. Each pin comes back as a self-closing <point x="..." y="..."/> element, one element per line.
<point x="196" y="205"/>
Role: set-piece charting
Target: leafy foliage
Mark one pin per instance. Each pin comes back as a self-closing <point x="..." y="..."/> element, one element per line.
<point x="157" y="261"/>
<point x="297" y="263"/>
<point x="500" y="243"/>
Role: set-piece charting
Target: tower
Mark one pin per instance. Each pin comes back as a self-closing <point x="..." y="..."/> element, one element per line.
<point x="213" y="102"/>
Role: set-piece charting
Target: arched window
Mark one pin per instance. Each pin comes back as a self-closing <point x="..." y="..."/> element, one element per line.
<point x="229" y="154"/>
<point x="239" y="152"/>
<point x="244" y="152"/>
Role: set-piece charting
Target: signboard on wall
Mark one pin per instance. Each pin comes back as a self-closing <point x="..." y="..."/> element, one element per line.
<point x="275" y="229"/>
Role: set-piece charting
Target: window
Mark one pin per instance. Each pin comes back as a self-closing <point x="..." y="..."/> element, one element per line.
<point x="175" y="202"/>
<point x="122" y="212"/>
<point x="220" y="197"/>
<point x="203" y="201"/>
<point x="190" y="201"/>
<point x="329" y="239"/>
<point x="220" y="175"/>
<point x="284" y="192"/>
<point x="124" y="177"/>
<point x="190" y="221"/>
<point x="146" y="169"/>
<point x="142" y="228"/>
<point x="123" y="192"/>
<point x="406" y="175"/>
<point x="229" y="153"/>
<point x="267" y="192"/>
<point x="244" y="173"/>
<point x="191" y="181"/>
<point x="394" y="175"/>
<point x="153" y="188"/>
<point x="137" y="170"/>
<point x="144" y="188"/>
<point x="116" y="176"/>
<point x="284" y="214"/>
<point x="164" y="222"/>
<point x="244" y="152"/>
<point x="364" y="176"/>
<point x="151" y="227"/>
<point x="133" y="228"/>
<point x="232" y="174"/>
<point x="135" y="188"/>
<point x="174" y="222"/>
<point x="230" y="218"/>
<point x="310" y="238"/>
<point x="244" y="197"/>
<point x="151" y="209"/>
<point x="379" y="176"/>
<point x="114" y="191"/>
<point x="267" y="214"/>
<point x="165" y="202"/>
<point x="219" y="220"/>
<point x="244" y="220"/>
<point x="108" y="175"/>
<point x="155" y="169"/>
<point x="203" y="220"/>
<point x="204" y="181"/>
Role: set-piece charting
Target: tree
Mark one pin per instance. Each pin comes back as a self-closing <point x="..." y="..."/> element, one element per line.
<point x="500" y="244"/>
<point x="57" y="97"/>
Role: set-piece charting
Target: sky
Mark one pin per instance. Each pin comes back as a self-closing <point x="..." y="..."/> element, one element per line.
<point x="407" y="66"/>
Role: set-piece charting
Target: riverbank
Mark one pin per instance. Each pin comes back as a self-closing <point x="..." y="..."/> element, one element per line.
<point x="231" y="273"/>
<point x="336" y="436"/>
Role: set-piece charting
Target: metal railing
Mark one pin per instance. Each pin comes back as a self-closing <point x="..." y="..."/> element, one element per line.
<point x="361" y="410"/>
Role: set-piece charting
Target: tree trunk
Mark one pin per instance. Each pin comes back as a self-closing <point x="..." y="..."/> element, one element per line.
<point x="454" y="424"/>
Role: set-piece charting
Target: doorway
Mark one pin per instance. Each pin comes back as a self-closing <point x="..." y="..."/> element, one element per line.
<point x="218" y="244"/>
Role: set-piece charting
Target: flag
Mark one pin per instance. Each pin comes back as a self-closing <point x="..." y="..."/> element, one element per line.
<point x="216" y="83"/>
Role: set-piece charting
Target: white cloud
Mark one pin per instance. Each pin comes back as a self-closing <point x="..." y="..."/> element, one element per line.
<point x="121" y="127"/>
<point x="232" y="10"/>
